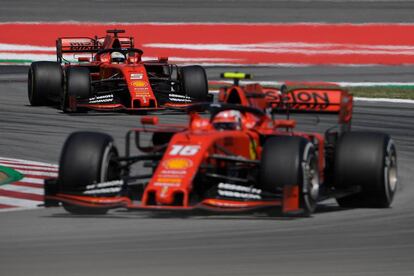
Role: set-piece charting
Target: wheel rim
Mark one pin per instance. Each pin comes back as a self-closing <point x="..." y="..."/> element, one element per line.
<point x="310" y="181"/>
<point x="390" y="171"/>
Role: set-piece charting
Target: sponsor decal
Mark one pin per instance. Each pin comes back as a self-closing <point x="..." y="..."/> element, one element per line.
<point x="139" y="83"/>
<point x="177" y="163"/>
<point x="104" y="187"/>
<point x="163" y="184"/>
<point x="173" y="172"/>
<point x="317" y="100"/>
<point x="141" y="89"/>
<point x="103" y="191"/>
<point x="238" y="191"/>
<point x="141" y="93"/>
<point x="105" y="184"/>
<point x="101" y="99"/>
<point x="238" y="195"/>
<point x="179" y="98"/>
<point x="136" y="76"/>
<point x="169" y="180"/>
<point x="82" y="46"/>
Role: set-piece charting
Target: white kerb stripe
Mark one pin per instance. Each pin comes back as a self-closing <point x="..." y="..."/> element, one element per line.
<point x="18" y="202"/>
<point x="51" y="174"/>
<point x="32" y="180"/>
<point x="21" y="161"/>
<point x="22" y="189"/>
<point x="14" y="166"/>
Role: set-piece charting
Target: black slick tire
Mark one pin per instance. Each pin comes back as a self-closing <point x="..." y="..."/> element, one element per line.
<point x="45" y="83"/>
<point x="369" y="161"/>
<point x="78" y="85"/>
<point x="288" y="161"/>
<point x="194" y="82"/>
<point x="87" y="158"/>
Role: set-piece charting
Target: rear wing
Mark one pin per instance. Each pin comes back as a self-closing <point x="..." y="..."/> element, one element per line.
<point x="318" y="100"/>
<point x="88" y="45"/>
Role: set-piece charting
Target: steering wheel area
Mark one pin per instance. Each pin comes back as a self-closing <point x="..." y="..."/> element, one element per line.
<point x="124" y="51"/>
<point x="216" y="108"/>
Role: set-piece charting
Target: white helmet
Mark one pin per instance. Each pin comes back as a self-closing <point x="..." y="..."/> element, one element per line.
<point x="117" y="57"/>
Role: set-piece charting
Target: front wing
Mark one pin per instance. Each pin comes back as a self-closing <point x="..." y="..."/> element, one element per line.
<point x="288" y="202"/>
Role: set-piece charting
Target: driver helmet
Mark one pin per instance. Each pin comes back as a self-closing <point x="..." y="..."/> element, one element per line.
<point x="228" y="120"/>
<point x="117" y="57"/>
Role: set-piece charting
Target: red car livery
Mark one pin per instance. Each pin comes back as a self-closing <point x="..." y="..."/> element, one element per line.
<point x="239" y="158"/>
<point x="108" y="74"/>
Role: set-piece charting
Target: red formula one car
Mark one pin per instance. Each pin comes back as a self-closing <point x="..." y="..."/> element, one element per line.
<point x="108" y="74"/>
<point x="237" y="159"/>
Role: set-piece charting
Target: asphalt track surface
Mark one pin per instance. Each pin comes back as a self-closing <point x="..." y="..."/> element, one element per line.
<point x="332" y="242"/>
<point x="208" y="11"/>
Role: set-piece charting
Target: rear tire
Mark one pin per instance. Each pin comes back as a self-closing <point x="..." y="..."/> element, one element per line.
<point x="45" y="83"/>
<point x="87" y="158"/>
<point x="367" y="160"/>
<point x="78" y="85"/>
<point x="194" y="82"/>
<point x="289" y="161"/>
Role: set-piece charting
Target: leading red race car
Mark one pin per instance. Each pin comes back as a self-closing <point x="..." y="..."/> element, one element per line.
<point x="108" y="74"/>
<point x="237" y="159"/>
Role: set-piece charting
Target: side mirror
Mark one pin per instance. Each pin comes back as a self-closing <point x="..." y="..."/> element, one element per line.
<point x="149" y="120"/>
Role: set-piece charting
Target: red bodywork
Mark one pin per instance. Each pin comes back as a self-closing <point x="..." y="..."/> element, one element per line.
<point x="198" y="146"/>
<point x="133" y="73"/>
<point x="195" y="148"/>
<point x="326" y="98"/>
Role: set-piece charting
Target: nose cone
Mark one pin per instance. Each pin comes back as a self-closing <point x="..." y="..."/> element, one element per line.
<point x="165" y="196"/>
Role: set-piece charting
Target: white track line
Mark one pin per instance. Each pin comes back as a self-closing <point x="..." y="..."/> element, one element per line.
<point x="384" y="100"/>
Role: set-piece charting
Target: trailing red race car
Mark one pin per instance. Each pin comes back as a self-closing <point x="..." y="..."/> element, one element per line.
<point x="258" y="96"/>
<point x="237" y="159"/>
<point x="108" y="74"/>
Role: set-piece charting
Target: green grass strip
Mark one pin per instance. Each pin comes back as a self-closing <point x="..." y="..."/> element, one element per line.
<point x="12" y="175"/>
<point x="15" y="61"/>
<point x="394" y="92"/>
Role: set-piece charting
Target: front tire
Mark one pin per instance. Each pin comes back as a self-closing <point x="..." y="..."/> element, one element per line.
<point x="194" y="82"/>
<point x="78" y="86"/>
<point x="367" y="160"/>
<point x="45" y="83"/>
<point x="289" y="161"/>
<point x="87" y="158"/>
